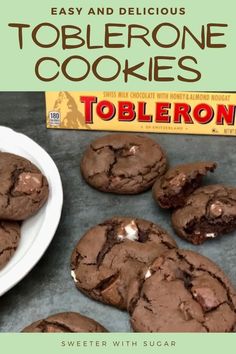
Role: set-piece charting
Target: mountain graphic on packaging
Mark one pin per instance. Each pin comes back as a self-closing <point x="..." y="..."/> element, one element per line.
<point x="70" y="116"/>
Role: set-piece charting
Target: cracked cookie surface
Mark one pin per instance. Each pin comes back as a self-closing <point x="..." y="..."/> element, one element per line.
<point x="23" y="188"/>
<point x="65" y="322"/>
<point x="183" y="291"/>
<point x="209" y="212"/>
<point x="9" y="240"/>
<point x="114" y="252"/>
<point x="171" y="190"/>
<point x="123" y="163"/>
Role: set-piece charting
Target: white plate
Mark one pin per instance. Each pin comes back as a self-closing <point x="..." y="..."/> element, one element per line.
<point x="38" y="231"/>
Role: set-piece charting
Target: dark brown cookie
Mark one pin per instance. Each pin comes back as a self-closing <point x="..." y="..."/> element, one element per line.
<point x="123" y="163"/>
<point x="210" y="211"/>
<point x="23" y="188"/>
<point x="183" y="291"/>
<point x="65" y="322"/>
<point x="111" y="254"/>
<point x="9" y="240"/>
<point x="171" y="190"/>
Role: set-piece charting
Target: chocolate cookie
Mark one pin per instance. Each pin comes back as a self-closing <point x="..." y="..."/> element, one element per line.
<point x="210" y="211"/>
<point x="111" y="254"/>
<point x="9" y="240"/>
<point x="123" y="163"/>
<point x="171" y="190"/>
<point x="65" y="322"/>
<point x="23" y="188"/>
<point x="183" y="291"/>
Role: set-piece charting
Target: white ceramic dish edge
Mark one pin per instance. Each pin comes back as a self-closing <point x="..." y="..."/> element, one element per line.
<point x="50" y="213"/>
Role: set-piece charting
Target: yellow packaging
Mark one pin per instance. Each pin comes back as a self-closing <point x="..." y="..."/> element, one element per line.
<point x="161" y="112"/>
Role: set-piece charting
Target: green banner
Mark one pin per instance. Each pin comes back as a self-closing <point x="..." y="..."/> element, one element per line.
<point x="138" y="343"/>
<point x="118" y="45"/>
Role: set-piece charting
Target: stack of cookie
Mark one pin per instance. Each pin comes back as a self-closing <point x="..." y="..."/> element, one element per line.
<point x="134" y="264"/>
<point x="200" y="213"/>
<point x="23" y="191"/>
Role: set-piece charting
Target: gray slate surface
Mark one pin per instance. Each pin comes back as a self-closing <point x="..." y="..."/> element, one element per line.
<point x="48" y="288"/>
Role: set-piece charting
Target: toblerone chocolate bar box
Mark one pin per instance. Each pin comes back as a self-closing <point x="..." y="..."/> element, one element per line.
<point x="161" y="112"/>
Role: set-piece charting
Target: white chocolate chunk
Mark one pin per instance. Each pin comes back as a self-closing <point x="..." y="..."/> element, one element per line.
<point x="130" y="232"/>
<point x="210" y="235"/>
<point x="133" y="149"/>
<point x="74" y="276"/>
<point x="148" y="274"/>
<point x="120" y="237"/>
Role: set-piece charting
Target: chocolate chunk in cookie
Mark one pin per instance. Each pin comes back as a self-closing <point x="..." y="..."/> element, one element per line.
<point x="183" y="291"/>
<point x="111" y="254"/>
<point x="23" y="188"/>
<point x="123" y="163"/>
<point x="209" y="212"/>
<point x="28" y="183"/>
<point x="65" y="322"/>
<point x="9" y="240"/>
<point x="171" y="190"/>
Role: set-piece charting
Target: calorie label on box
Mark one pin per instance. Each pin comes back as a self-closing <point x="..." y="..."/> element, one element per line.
<point x="161" y="112"/>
